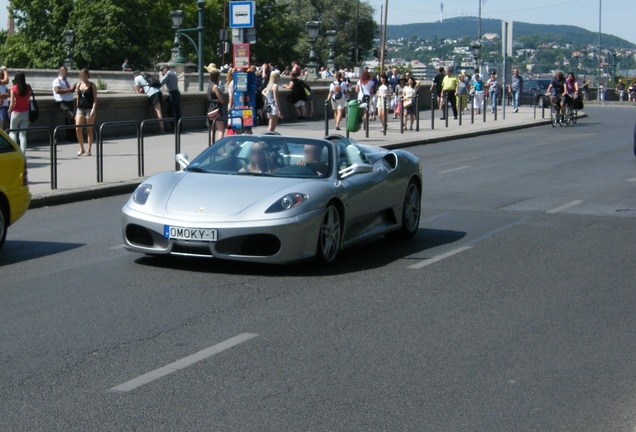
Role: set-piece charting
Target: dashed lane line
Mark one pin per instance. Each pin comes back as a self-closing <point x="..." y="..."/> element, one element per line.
<point x="438" y="258"/>
<point x="182" y="363"/>
<point x="454" y="169"/>
<point x="565" y="207"/>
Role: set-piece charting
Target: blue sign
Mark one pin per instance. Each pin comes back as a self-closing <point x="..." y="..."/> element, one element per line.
<point x="242" y="14"/>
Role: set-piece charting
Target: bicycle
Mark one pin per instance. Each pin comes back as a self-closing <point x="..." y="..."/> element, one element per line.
<point x="555" y="113"/>
<point x="571" y="115"/>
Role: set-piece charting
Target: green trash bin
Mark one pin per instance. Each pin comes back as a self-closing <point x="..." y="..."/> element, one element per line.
<point x="354" y="116"/>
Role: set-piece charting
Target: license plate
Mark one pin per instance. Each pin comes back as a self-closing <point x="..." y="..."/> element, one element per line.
<point x="191" y="234"/>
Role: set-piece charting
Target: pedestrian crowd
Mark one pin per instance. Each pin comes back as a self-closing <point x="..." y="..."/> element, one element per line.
<point x="377" y="94"/>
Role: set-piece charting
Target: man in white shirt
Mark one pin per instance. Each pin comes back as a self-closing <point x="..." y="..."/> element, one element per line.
<point x="65" y="100"/>
<point x="154" y="96"/>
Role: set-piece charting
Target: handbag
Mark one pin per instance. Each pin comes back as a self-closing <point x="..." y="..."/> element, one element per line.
<point x="34" y="110"/>
<point x="408" y="102"/>
<point x="212" y="115"/>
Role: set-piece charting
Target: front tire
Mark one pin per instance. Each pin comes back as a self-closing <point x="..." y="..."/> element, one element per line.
<point x="411" y="211"/>
<point x="330" y="235"/>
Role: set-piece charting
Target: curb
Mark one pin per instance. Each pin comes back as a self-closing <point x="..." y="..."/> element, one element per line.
<point x="86" y="194"/>
<point x="108" y="190"/>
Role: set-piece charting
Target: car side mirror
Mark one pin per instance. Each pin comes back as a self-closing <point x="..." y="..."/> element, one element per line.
<point x="182" y="160"/>
<point x="355" y="169"/>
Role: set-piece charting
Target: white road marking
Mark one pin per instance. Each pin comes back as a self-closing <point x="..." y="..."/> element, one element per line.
<point x="454" y="169"/>
<point x="183" y="363"/>
<point x="438" y="258"/>
<point x="633" y="179"/>
<point x="121" y="246"/>
<point x="565" y="207"/>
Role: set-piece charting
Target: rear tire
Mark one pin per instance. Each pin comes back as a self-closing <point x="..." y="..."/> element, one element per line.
<point x="330" y="235"/>
<point x="4" y="224"/>
<point x="411" y="211"/>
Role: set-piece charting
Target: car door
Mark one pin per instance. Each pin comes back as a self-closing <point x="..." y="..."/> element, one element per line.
<point x="361" y="192"/>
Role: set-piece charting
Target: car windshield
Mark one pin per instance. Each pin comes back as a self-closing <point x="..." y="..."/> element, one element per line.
<point x="268" y="156"/>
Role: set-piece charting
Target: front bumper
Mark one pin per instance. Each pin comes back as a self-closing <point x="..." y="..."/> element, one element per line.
<point x="19" y="200"/>
<point x="276" y="241"/>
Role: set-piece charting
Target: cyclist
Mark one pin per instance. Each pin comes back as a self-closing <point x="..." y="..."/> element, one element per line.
<point x="556" y="90"/>
<point x="571" y="91"/>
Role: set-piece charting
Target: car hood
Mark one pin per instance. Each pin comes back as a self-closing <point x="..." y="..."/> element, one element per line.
<point x="225" y="195"/>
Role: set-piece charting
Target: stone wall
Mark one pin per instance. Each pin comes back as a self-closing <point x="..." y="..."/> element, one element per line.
<point x="125" y="105"/>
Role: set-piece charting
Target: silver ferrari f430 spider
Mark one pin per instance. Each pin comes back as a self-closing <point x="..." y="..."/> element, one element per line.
<point x="275" y="199"/>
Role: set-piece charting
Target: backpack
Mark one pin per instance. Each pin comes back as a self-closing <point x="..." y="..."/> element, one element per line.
<point x="306" y="88"/>
<point x="152" y="80"/>
<point x="337" y="89"/>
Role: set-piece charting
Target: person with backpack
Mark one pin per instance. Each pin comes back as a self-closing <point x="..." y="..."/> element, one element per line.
<point x="151" y="87"/>
<point x="338" y="92"/>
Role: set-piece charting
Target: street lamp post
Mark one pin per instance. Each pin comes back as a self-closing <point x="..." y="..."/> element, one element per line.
<point x="577" y="66"/>
<point x="177" y="22"/>
<point x="313" y="27"/>
<point x="68" y="43"/>
<point x="476" y="47"/>
<point x="331" y="39"/>
<point x="585" y="66"/>
<point x="614" y="74"/>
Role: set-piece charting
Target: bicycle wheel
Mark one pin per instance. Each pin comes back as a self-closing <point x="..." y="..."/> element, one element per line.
<point x="553" y="116"/>
<point x="568" y="116"/>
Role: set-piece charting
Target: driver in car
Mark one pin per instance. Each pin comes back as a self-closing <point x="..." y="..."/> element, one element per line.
<point x="313" y="155"/>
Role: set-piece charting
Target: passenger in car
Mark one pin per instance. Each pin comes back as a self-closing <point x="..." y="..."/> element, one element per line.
<point x="260" y="160"/>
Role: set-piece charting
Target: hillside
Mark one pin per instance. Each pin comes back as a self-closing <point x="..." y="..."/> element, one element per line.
<point x="455" y="28"/>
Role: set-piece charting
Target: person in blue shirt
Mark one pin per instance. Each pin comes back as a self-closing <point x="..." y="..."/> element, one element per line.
<point x="477" y="85"/>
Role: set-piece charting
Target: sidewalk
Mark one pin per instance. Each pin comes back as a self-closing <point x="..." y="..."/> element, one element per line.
<point x="77" y="176"/>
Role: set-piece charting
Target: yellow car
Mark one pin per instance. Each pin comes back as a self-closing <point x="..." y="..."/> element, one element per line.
<point x="14" y="191"/>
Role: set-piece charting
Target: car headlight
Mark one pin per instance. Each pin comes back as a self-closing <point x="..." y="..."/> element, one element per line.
<point x="141" y="194"/>
<point x="287" y="202"/>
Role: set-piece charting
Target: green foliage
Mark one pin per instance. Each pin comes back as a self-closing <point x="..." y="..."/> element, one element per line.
<point x="108" y="31"/>
<point x="334" y="15"/>
<point x="39" y="41"/>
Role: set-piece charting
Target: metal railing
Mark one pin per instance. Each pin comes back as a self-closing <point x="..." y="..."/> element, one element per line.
<point x="228" y="119"/>
<point x="50" y="135"/>
<point x="142" y="136"/>
<point x="100" y="147"/>
<point x="91" y="126"/>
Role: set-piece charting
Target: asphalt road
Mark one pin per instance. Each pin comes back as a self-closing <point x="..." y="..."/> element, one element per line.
<point x="511" y="310"/>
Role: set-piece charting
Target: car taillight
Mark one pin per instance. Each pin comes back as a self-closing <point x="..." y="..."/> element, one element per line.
<point x="25" y="175"/>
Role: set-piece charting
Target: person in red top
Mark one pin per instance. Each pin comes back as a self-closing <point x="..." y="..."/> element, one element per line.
<point x="19" y="108"/>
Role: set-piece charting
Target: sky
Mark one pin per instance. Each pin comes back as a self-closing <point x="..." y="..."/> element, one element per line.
<point x="617" y="16"/>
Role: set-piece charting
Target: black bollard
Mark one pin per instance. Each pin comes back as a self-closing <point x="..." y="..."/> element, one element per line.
<point x="385" y="119"/>
<point x="401" y="104"/>
<point x="433" y="102"/>
<point x="326" y="117"/>
<point x="417" y="112"/>
<point x="461" y="110"/>
<point x="445" y="108"/>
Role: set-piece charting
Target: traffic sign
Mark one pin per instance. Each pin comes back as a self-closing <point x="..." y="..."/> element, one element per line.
<point x="242" y="14"/>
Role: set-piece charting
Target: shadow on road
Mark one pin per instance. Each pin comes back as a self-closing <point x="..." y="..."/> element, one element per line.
<point x="366" y="256"/>
<point x="15" y="251"/>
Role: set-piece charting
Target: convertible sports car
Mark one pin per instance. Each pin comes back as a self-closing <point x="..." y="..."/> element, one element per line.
<point x="275" y="199"/>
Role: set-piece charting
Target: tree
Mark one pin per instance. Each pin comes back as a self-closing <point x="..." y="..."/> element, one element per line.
<point x="334" y="15"/>
<point x="107" y="31"/>
<point x="39" y="41"/>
